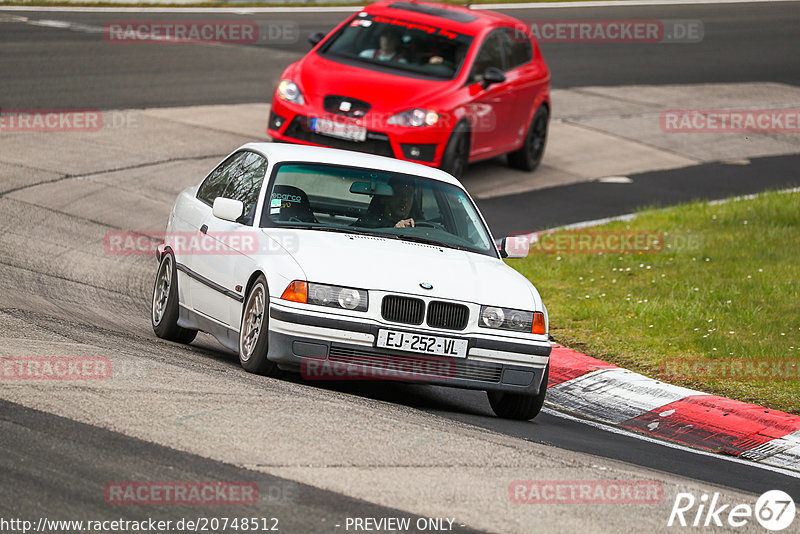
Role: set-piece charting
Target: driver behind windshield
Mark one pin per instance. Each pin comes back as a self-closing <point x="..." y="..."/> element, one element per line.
<point x="389" y="50"/>
<point x="388" y="211"/>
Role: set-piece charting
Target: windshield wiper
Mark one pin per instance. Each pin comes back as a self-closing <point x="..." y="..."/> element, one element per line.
<point x="428" y="241"/>
<point x="311" y="227"/>
<point x="347" y="230"/>
<point x="359" y="231"/>
<point x="377" y="234"/>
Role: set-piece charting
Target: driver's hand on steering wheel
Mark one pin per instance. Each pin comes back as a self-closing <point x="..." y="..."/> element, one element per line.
<point x="405" y="223"/>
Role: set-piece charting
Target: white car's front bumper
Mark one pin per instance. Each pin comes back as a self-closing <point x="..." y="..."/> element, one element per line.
<point x="327" y="346"/>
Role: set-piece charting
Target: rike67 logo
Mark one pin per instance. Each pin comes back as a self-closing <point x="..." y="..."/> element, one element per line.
<point x="774" y="510"/>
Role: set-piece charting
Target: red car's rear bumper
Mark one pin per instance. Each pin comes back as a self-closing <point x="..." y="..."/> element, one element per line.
<point x="426" y="144"/>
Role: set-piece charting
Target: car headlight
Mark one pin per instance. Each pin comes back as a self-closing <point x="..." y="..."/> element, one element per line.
<point x="326" y="295"/>
<point x="288" y="90"/>
<point x="508" y="319"/>
<point x="415" y="117"/>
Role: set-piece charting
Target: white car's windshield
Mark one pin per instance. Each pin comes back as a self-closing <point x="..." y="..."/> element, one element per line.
<point x="406" y="47"/>
<point x="358" y="200"/>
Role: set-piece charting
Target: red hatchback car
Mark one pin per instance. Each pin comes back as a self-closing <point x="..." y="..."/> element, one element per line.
<point x="431" y="83"/>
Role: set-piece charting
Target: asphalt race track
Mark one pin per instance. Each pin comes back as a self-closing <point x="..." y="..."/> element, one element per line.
<point x="588" y="201"/>
<point x="741" y="43"/>
<point x="74" y="451"/>
<point x="319" y="452"/>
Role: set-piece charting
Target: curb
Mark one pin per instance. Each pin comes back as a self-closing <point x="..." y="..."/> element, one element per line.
<point x="601" y="391"/>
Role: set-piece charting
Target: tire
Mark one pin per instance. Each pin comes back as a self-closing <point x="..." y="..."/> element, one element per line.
<point x="456" y="153"/>
<point x="164" y="310"/>
<point x="528" y="157"/>
<point x="517" y="405"/>
<point x="254" y="332"/>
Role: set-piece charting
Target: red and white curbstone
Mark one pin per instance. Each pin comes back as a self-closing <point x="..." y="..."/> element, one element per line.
<point x="604" y="392"/>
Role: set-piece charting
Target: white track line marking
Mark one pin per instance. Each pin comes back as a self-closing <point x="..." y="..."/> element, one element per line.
<point x="631" y="216"/>
<point x="616" y="430"/>
<point x="750" y="197"/>
<point x="615" y="180"/>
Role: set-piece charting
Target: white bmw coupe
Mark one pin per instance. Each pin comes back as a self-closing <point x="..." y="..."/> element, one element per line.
<point x="343" y="265"/>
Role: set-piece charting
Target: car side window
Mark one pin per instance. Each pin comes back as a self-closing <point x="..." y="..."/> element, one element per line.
<point x="239" y="177"/>
<point x="214" y="184"/>
<point x="516" y="48"/>
<point x="245" y="182"/>
<point x="489" y="55"/>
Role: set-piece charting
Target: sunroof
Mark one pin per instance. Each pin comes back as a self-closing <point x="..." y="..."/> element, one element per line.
<point x="456" y="16"/>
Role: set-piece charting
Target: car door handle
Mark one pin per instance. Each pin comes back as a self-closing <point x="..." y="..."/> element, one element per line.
<point x="204" y="229"/>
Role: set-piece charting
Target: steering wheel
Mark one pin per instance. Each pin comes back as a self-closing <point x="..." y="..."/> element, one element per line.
<point x="429" y="224"/>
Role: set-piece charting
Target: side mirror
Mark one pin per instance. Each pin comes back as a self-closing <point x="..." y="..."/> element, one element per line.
<point x="315" y="38"/>
<point x="514" y="247"/>
<point x="493" y="75"/>
<point x="227" y="209"/>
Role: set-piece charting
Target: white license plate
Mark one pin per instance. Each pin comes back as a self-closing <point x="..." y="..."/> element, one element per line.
<point x="342" y="130"/>
<point x="422" y="343"/>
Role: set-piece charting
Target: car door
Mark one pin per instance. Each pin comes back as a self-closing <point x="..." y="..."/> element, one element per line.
<point x="525" y="79"/>
<point x="214" y="291"/>
<point x="184" y="237"/>
<point x="490" y="108"/>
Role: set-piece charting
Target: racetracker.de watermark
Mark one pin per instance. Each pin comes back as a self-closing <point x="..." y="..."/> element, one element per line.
<point x="737" y="368"/>
<point x="55" y="368"/>
<point x="598" y="241"/>
<point x="615" y="31"/>
<point x="585" y="492"/>
<point x="731" y="121"/>
<point x="587" y="242"/>
<point x="395" y="368"/>
<point x="201" y="31"/>
<point x="181" y="493"/>
<point x="127" y="243"/>
<point x="63" y="120"/>
<point x="590" y="241"/>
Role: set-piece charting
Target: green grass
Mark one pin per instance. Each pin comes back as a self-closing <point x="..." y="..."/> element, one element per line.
<point x="724" y="287"/>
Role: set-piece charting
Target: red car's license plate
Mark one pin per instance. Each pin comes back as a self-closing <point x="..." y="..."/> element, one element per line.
<point x="351" y="132"/>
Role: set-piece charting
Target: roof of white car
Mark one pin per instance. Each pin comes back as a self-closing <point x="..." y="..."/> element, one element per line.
<point x="277" y="152"/>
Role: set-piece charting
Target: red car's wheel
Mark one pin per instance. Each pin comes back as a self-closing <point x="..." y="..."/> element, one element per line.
<point x="528" y="157"/>
<point x="456" y="154"/>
